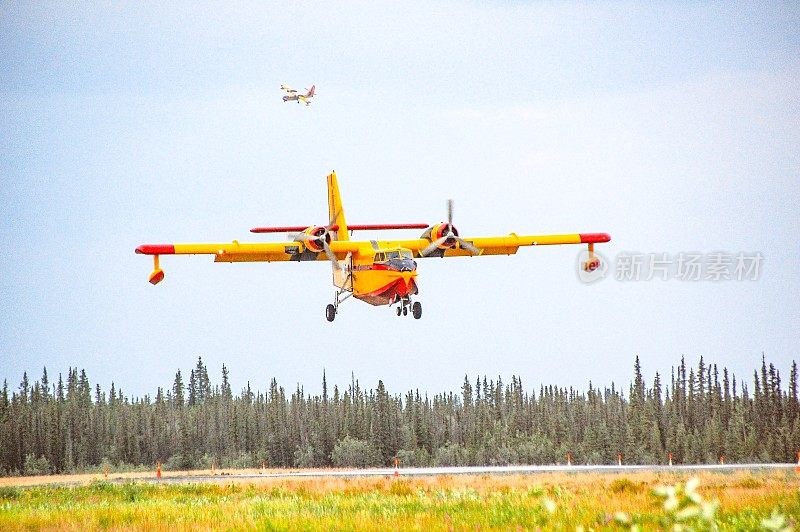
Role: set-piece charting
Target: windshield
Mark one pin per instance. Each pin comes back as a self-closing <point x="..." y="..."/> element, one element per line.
<point x="399" y="254"/>
<point x="400" y="260"/>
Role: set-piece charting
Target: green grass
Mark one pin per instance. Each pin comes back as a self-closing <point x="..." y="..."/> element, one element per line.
<point x="561" y="502"/>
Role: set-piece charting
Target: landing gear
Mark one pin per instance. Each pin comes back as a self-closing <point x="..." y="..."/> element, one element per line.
<point x="403" y="306"/>
<point x="344" y="288"/>
<point x="333" y="308"/>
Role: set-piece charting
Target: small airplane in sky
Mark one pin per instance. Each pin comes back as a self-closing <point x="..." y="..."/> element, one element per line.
<point x="294" y="96"/>
<point x="378" y="272"/>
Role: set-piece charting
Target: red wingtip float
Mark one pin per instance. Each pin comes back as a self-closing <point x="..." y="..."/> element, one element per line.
<point x="379" y="272"/>
<point x="157" y="276"/>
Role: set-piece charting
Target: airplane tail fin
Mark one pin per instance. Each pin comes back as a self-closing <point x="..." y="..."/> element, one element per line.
<point x="311" y="91"/>
<point x="341" y="277"/>
<point x="335" y="208"/>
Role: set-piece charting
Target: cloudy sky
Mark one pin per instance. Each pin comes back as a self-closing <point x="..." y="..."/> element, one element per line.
<point x="673" y="127"/>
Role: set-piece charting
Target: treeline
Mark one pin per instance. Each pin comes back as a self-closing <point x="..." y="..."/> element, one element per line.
<point x="698" y="416"/>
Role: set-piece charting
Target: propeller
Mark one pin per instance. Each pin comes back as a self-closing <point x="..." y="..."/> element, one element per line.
<point x="321" y="239"/>
<point x="450" y="234"/>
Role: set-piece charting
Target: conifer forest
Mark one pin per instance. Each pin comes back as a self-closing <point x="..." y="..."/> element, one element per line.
<point x="63" y="423"/>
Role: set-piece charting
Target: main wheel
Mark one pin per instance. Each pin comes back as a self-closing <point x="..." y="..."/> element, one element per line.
<point x="330" y="312"/>
<point x="416" y="310"/>
<point x="399" y="311"/>
<point x="405" y="311"/>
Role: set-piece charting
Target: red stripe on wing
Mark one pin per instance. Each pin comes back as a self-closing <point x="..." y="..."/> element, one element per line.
<point x="156" y="249"/>
<point x="594" y="238"/>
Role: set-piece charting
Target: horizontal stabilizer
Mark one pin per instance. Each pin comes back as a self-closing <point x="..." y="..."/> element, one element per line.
<point x="363" y="227"/>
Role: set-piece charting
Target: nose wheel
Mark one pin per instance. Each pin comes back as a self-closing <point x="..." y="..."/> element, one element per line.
<point x="405" y="305"/>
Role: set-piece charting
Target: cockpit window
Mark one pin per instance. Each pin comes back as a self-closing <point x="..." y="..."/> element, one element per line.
<point x="397" y="254"/>
<point x="398" y="259"/>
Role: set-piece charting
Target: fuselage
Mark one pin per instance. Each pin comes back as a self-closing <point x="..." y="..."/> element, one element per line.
<point x="387" y="277"/>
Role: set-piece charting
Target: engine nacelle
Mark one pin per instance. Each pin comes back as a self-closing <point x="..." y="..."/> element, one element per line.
<point x="315" y="235"/>
<point x="437" y="231"/>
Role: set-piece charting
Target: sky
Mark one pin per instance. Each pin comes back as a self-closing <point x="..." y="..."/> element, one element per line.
<point x="672" y="126"/>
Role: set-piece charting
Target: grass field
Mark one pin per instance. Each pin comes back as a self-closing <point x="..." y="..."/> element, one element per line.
<point x="561" y="501"/>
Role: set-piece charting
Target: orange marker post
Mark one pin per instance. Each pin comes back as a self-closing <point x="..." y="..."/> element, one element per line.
<point x="619" y="459"/>
<point x="569" y="459"/>
<point x="670" y="459"/>
<point x="797" y="468"/>
<point x="396" y="466"/>
<point x="722" y="459"/>
<point x="158" y="470"/>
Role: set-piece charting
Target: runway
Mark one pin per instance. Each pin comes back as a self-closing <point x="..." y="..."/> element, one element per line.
<point x="251" y="475"/>
<point x="472" y="470"/>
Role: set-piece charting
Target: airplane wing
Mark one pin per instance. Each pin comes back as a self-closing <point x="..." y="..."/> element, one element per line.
<point x="302" y="251"/>
<point x="251" y="252"/>
<point x="254" y="252"/>
<point x="493" y="245"/>
<point x="288" y="89"/>
<point x="298" y="251"/>
<point x="286" y="251"/>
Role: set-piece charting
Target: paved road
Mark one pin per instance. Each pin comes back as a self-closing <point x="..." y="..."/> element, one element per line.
<point x="477" y="470"/>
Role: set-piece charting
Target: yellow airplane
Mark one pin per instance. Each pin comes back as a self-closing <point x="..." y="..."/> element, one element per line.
<point x="379" y="272"/>
<point x="294" y="96"/>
